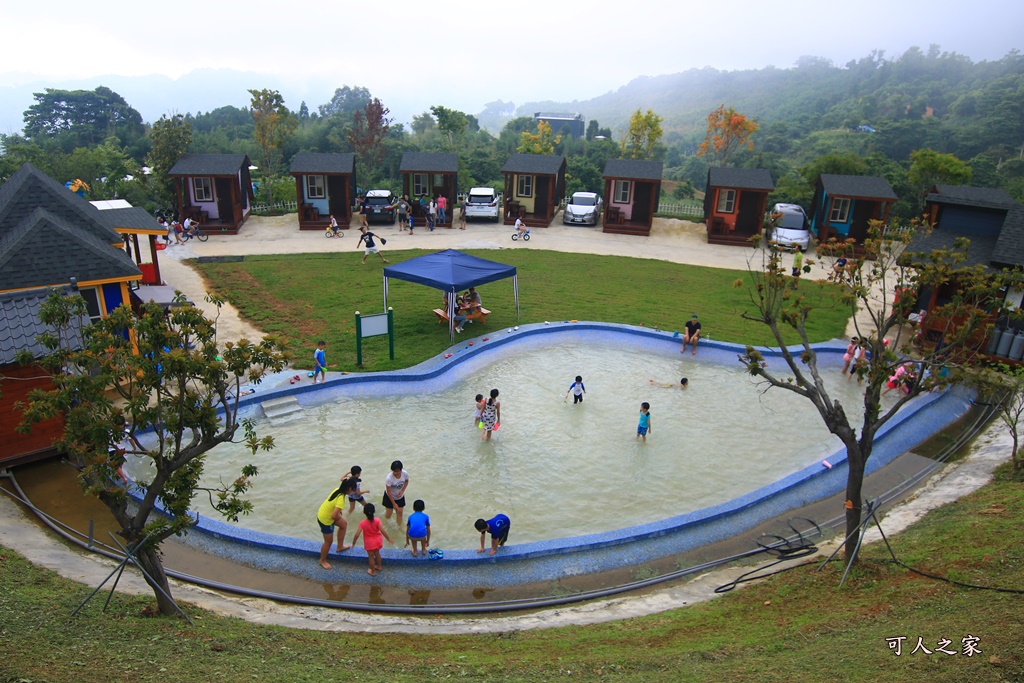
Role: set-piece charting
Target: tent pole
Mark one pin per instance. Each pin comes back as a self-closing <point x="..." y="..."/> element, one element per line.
<point x="515" y="288"/>
<point x="451" y="317"/>
<point x="385" y="292"/>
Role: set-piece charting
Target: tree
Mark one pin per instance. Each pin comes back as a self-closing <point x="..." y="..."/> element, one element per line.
<point x="346" y="102"/>
<point x="274" y="124"/>
<point x="82" y="117"/>
<point x="581" y="175"/>
<point x="451" y="122"/>
<point x="421" y="123"/>
<point x="869" y="285"/>
<point x="643" y="136"/>
<point x="928" y="168"/>
<point x="369" y="130"/>
<point x="592" y="128"/>
<point x="157" y="384"/>
<point x="728" y="131"/>
<point x="171" y="137"/>
<point x="541" y="142"/>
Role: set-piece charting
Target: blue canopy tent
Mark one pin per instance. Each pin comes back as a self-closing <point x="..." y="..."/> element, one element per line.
<point x="450" y="271"/>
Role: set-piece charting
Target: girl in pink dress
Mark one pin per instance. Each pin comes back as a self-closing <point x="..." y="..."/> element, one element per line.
<point x="372" y="531"/>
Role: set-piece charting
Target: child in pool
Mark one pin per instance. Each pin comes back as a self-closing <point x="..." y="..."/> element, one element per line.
<point x="356" y="494"/>
<point x="577" y="390"/>
<point x="645" y="422"/>
<point x="683" y="383"/>
<point x="330" y="515"/>
<point x="417" y="529"/>
<point x="851" y="350"/>
<point x="372" y="530"/>
<point x="491" y="416"/>
<point x="498" y="526"/>
<point x="478" y="415"/>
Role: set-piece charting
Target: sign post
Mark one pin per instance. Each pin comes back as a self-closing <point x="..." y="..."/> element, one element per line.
<point x="375" y="326"/>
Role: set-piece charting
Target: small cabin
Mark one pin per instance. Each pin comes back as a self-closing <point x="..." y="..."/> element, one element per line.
<point x="844" y="205"/>
<point x="214" y="189"/>
<point x="632" y="190"/>
<point x="426" y="176"/>
<point x="994" y="224"/>
<point x="534" y="188"/>
<point x="735" y="203"/>
<point x="325" y="186"/>
<point x="137" y="227"/>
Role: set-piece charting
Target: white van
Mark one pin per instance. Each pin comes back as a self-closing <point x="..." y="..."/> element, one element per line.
<point x="482" y="202"/>
<point x="792" y="231"/>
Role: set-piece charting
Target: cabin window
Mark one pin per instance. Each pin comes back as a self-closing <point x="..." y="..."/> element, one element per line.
<point x="623" y="188"/>
<point x="315" y="187"/>
<point x="840" y="210"/>
<point x="525" y="188"/>
<point x="202" y="190"/>
<point x="726" y="201"/>
<point x="419" y="184"/>
<point x="92" y="303"/>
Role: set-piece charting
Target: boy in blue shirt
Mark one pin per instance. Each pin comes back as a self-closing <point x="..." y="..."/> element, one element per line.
<point x="417" y="529"/>
<point x="498" y="526"/>
<point x="577" y="390"/>
<point x="645" y="421"/>
<point x="320" y="362"/>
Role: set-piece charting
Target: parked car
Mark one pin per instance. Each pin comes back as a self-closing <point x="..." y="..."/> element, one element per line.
<point x="583" y="208"/>
<point x="791" y="231"/>
<point x="482" y="202"/>
<point x="380" y="206"/>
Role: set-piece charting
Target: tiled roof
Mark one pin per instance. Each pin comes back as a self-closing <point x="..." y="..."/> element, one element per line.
<point x="209" y="165"/>
<point x="433" y="162"/>
<point x="134" y="219"/>
<point x="1009" y="248"/>
<point x="30" y="189"/>
<point x="309" y="162"/>
<point x="46" y="250"/>
<point x="740" y="178"/>
<point x="963" y="195"/>
<point x="20" y="326"/>
<point x="857" y="186"/>
<point x="536" y="164"/>
<point x="633" y="169"/>
<point x="979" y="253"/>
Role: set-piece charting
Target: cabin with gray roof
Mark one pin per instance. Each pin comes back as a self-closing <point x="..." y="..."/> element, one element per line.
<point x="325" y="185"/>
<point x="632" y="190"/>
<point x="534" y="188"/>
<point x="991" y="221"/>
<point x="426" y="176"/>
<point x="735" y="204"/>
<point x="214" y="189"/>
<point x="844" y="205"/>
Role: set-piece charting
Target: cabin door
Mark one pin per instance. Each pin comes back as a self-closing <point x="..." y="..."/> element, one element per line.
<point x="863" y="211"/>
<point x="747" y="220"/>
<point x="543" y="198"/>
<point x="225" y="202"/>
<point x="337" y="198"/>
<point x="641" y="212"/>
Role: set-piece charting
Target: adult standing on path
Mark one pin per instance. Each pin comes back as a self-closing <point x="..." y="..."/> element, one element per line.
<point x="462" y="215"/>
<point x="363" y="204"/>
<point x="442" y="208"/>
<point x="692" y="334"/>
<point x="371" y="247"/>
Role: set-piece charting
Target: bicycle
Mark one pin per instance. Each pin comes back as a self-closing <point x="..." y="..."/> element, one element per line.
<point x="195" y="230"/>
<point x="525" y="235"/>
<point x="333" y="232"/>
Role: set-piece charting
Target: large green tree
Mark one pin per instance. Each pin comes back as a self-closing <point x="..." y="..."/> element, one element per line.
<point x="868" y="287"/>
<point x="158" y="387"/>
<point x="643" y="137"/>
<point x="274" y="124"/>
<point x="78" y="118"/>
<point x="346" y="101"/>
<point x="171" y="137"/>
<point x="452" y="123"/>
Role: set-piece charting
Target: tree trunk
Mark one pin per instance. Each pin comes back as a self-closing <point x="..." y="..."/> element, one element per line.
<point x="150" y="561"/>
<point x="854" y="483"/>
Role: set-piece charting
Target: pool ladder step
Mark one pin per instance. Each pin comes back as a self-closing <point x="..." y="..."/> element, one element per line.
<point x="281" y="409"/>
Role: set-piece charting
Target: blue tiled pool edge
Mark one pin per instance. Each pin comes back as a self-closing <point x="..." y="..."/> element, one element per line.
<point x="554" y="559"/>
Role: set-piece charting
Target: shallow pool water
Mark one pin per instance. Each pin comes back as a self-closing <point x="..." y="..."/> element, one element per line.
<point x="556" y="469"/>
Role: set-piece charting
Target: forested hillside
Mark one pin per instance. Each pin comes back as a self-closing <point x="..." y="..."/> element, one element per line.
<point x="922" y="117"/>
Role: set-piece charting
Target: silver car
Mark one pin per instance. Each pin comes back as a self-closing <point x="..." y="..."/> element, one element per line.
<point x="791" y="231"/>
<point x="583" y="208"/>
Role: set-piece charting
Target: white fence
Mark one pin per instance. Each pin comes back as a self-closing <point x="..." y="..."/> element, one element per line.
<point x="292" y="207"/>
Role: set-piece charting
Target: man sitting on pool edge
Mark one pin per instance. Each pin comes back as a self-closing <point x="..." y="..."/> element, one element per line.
<point x="498" y="526"/>
<point x="692" y="334"/>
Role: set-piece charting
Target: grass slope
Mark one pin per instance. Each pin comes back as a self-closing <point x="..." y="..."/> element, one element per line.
<point x="307" y="297"/>
<point x="796" y="626"/>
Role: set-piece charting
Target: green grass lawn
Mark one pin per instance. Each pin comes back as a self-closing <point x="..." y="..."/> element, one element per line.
<point x="796" y="626"/>
<point x="303" y="298"/>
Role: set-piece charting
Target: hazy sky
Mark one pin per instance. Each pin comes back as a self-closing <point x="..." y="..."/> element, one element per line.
<point x="465" y="54"/>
